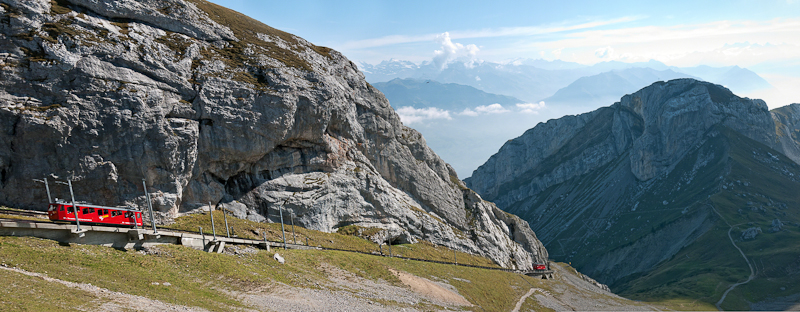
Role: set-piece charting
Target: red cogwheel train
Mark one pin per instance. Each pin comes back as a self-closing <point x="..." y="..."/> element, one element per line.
<point x="62" y="210"/>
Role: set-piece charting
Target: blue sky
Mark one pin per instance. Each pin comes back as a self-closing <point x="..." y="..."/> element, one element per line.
<point x="762" y="35"/>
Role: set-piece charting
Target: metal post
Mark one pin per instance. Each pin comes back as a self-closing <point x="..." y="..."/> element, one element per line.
<point x="203" y="235"/>
<point x="306" y="241"/>
<point x="294" y="238"/>
<point x="74" y="207"/>
<point x="282" y="229"/>
<point x="225" y="216"/>
<point x="47" y="187"/>
<point x="390" y="249"/>
<point x="213" y="228"/>
<point x="454" y="257"/>
<point x="152" y="218"/>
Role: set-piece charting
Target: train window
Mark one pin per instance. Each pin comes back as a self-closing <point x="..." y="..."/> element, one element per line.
<point x="62" y="208"/>
<point x="85" y="210"/>
<point x="91" y="210"/>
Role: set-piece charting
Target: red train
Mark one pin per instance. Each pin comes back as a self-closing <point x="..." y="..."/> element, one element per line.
<point x="93" y="214"/>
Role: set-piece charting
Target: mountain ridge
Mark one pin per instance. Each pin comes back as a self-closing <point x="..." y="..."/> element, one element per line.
<point x="632" y="193"/>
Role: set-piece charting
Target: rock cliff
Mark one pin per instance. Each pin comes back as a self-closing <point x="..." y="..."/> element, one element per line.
<point x="633" y="193"/>
<point x="209" y="106"/>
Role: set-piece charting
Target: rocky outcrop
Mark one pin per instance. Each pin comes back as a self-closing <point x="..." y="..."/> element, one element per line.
<point x="787" y="128"/>
<point x="209" y="106"/>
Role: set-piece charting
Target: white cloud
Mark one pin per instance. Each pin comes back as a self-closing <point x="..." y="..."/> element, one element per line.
<point x="604" y="53"/>
<point x="531" y="108"/>
<point x="468" y="112"/>
<point x="681" y="45"/>
<point x="409" y="115"/>
<point x="491" y="109"/>
<point x="557" y="52"/>
<point x="485" y="109"/>
<point x="477" y="78"/>
<point x="484" y="33"/>
<point x="451" y="51"/>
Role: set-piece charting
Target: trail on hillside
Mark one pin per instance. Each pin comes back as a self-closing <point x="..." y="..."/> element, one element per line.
<point x="525" y="296"/>
<point x="118" y="301"/>
<point x="752" y="272"/>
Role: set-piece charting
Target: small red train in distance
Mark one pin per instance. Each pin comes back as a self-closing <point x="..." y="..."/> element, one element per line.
<point x="94" y="214"/>
<point x="540" y="267"/>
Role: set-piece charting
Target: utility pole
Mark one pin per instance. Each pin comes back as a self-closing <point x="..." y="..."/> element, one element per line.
<point x="294" y="238"/>
<point x="74" y="207"/>
<point x="213" y="229"/>
<point x="282" y="229"/>
<point x="227" y="230"/>
<point x="149" y="205"/>
<point x="46" y="187"/>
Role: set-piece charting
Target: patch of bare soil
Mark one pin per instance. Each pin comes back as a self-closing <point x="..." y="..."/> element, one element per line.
<point x="343" y="291"/>
<point x="430" y="289"/>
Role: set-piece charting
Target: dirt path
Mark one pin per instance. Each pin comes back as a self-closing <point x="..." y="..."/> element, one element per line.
<point x="131" y="302"/>
<point x="430" y="289"/>
<point x="521" y="300"/>
<point x="752" y="272"/>
<point x="750" y="278"/>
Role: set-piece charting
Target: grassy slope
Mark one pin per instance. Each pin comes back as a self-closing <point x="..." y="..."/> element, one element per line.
<point x="255" y="230"/>
<point x="707" y="267"/>
<point x="197" y="276"/>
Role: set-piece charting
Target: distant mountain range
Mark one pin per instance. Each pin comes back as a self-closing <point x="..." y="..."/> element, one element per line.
<point x="448" y="96"/>
<point x="591" y="92"/>
<point x="534" y="80"/>
<point x="565" y="88"/>
<point x="464" y="139"/>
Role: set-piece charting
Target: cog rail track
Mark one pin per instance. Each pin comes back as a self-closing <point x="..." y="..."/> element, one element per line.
<point x="46" y="223"/>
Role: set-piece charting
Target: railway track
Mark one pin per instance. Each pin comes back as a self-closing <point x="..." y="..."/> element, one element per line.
<point x="548" y="274"/>
<point x="24" y="213"/>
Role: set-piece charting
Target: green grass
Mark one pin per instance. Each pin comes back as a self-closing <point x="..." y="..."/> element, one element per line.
<point x="197" y="277"/>
<point x="246" y="30"/>
<point x="348" y="241"/>
<point x="702" y="271"/>
<point x="25" y="293"/>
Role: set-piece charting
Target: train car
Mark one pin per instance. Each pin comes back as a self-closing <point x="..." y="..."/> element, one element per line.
<point x="93" y="214"/>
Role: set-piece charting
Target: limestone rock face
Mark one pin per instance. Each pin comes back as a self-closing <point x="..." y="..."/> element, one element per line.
<point x="787" y="128"/>
<point x="208" y="105"/>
